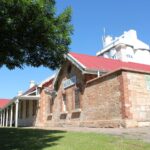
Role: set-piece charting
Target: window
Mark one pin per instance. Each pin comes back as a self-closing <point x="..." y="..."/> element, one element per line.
<point x="27" y="109"/>
<point x="77" y="98"/>
<point x="69" y="69"/>
<point x="64" y="103"/>
<point x="51" y="104"/>
<point x="34" y="104"/>
<point x="147" y="78"/>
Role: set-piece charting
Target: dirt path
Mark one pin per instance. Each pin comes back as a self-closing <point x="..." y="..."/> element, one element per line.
<point x="142" y="133"/>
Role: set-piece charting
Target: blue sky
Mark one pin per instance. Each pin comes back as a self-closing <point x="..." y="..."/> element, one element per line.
<point x="89" y="18"/>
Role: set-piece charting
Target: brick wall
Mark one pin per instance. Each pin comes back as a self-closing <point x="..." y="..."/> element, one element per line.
<point x="42" y="109"/>
<point x="137" y="103"/>
<point x="101" y="102"/>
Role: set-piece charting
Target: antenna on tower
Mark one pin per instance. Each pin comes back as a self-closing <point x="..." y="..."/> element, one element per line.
<point x="103" y="37"/>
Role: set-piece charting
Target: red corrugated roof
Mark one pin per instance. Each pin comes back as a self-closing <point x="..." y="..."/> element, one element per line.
<point x="3" y="102"/>
<point x="106" y="64"/>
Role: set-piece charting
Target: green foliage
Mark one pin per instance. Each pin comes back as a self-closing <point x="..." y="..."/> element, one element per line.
<point x="32" y="34"/>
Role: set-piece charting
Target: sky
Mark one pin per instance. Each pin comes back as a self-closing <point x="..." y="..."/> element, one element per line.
<point x="89" y="18"/>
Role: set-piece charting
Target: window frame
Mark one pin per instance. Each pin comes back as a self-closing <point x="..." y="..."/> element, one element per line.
<point x="77" y="99"/>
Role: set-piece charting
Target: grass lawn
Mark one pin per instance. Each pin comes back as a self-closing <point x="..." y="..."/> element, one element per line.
<point x="38" y="139"/>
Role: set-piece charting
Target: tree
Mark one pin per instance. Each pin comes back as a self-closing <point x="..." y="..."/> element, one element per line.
<point x="32" y="34"/>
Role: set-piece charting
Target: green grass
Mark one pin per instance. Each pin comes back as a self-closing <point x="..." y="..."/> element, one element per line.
<point x="37" y="139"/>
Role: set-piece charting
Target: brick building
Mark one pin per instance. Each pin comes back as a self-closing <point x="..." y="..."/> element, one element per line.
<point x="96" y="92"/>
<point x="87" y="91"/>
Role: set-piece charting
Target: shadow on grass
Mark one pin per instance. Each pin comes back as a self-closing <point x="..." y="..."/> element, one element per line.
<point x="28" y="139"/>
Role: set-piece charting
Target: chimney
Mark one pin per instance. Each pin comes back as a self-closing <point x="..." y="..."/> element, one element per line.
<point x="20" y="93"/>
<point x="32" y="83"/>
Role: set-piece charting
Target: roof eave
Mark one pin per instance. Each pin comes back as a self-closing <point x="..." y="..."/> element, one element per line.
<point x="37" y="97"/>
<point x="93" y="71"/>
<point x="75" y="62"/>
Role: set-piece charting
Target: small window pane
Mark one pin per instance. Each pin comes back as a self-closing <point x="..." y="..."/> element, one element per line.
<point x="77" y="99"/>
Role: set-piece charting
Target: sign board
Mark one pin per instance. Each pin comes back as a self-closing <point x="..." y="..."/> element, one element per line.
<point x="69" y="82"/>
<point x="147" y="77"/>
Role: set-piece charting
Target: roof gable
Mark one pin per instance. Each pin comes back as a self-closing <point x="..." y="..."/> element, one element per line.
<point x="47" y="81"/>
<point x="30" y="90"/>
